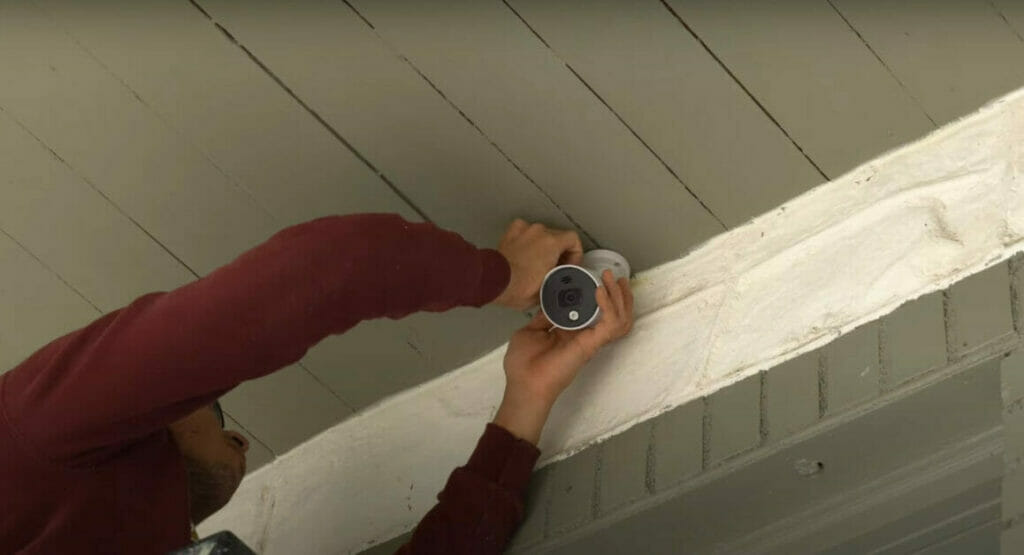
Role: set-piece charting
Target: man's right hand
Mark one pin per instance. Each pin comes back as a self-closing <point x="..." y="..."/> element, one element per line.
<point x="540" y="362"/>
<point x="532" y="250"/>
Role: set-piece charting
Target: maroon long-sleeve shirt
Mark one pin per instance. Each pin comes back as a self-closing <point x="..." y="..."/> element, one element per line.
<point x="87" y="464"/>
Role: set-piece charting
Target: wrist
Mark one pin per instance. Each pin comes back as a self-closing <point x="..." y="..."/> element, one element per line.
<point x="523" y="414"/>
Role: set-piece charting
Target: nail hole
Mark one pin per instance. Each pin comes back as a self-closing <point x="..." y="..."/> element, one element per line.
<point x="808" y="468"/>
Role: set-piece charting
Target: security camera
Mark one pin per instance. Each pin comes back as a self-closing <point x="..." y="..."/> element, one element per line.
<point x="568" y="294"/>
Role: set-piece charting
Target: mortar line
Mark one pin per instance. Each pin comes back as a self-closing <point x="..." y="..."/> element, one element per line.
<point x="476" y="127"/>
<point x="883" y="352"/>
<point x="316" y="115"/>
<point x="762" y="429"/>
<point x="1006" y="21"/>
<point x="1015" y="267"/>
<point x="618" y="117"/>
<point x="651" y="466"/>
<point x="705" y="432"/>
<point x="822" y="384"/>
<point x="747" y="91"/>
<point x="949" y="325"/>
<point x="881" y="61"/>
<point x="595" y="496"/>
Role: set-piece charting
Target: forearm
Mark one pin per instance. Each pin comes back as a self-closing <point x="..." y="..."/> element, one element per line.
<point x="151" y="362"/>
<point x="523" y="414"/>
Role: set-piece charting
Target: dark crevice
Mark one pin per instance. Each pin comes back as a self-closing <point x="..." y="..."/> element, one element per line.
<point x="744" y="88"/>
<point x="156" y="113"/>
<point x="822" y="385"/>
<point x="252" y="435"/>
<point x="881" y="61"/>
<point x="705" y="442"/>
<point x="330" y="129"/>
<point x="102" y="194"/>
<point x="763" y="402"/>
<point x="476" y="127"/>
<point x="49" y="269"/>
<point x="1006" y="21"/>
<point x="621" y="120"/>
<point x="651" y="150"/>
<point x="330" y="389"/>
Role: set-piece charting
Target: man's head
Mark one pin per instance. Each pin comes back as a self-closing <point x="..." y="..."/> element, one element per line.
<point x="214" y="459"/>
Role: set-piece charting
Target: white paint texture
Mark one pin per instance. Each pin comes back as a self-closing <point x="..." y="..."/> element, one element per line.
<point x="908" y="223"/>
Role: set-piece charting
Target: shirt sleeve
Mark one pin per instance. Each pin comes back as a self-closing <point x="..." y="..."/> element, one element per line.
<point x="482" y="504"/>
<point x="135" y="370"/>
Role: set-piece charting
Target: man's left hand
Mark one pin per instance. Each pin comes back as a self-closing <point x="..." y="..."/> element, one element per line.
<point x="532" y="250"/>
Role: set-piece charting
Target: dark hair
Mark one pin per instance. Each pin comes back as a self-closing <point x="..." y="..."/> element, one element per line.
<point x="219" y="412"/>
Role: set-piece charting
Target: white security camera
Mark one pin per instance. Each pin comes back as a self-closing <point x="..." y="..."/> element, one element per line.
<point x="568" y="294"/>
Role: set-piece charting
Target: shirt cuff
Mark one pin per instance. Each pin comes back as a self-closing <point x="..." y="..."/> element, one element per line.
<point x="495" y="275"/>
<point x="504" y="459"/>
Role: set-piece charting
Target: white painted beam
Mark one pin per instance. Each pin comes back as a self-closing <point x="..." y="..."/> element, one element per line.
<point x="908" y="223"/>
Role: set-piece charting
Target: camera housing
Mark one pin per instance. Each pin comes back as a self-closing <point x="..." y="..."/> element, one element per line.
<point x="568" y="294"/>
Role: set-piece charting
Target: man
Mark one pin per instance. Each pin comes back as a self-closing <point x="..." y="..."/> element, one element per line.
<point x="109" y="436"/>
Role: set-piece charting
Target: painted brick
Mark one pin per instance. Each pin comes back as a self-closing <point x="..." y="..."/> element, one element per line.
<point x="734" y="413"/>
<point x="914" y="339"/>
<point x="678" y="444"/>
<point x="623" y="475"/>
<point x="1012" y="540"/>
<point x="1013" y="494"/>
<point x="979" y="308"/>
<point x="538" y="496"/>
<point x="572" y="491"/>
<point x="1013" y="429"/>
<point x="791" y="396"/>
<point x="852" y="363"/>
<point x="1013" y="377"/>
<point x="1017" y="290"/>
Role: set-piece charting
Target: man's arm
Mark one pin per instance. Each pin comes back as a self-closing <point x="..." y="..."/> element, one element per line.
<point x="135" y="370"/>
<point x="482" y="504"/>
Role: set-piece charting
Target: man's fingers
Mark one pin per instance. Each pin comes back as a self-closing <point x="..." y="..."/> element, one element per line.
<point x="616" y="294"/>
<point x="517" y="226"/>
<point x="539" y="322"/>
<point x="570" y="245"/>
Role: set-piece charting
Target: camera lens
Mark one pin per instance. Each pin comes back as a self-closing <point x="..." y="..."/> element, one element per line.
<point x="569" y="297"/>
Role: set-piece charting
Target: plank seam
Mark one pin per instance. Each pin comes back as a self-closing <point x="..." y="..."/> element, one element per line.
<point x="246" y="430"/>
<point x="100" y="192"/>
<point x="881" y="61"/>
<point x="231" y="179"/>
<point x="736" y="79"/>
<point x="618" y="117"/>
<point x="1006" y="21"/>
<point x="476" y="127"/>
<point x="330" y="129"/>
<point x="47" y="267"/>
